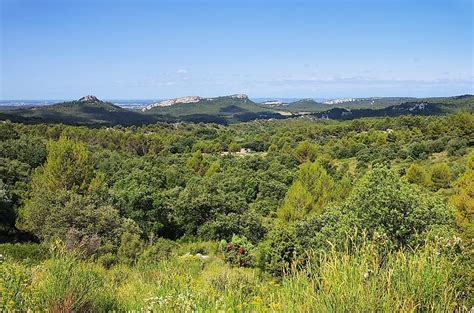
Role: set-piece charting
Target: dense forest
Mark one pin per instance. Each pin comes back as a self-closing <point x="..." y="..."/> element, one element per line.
<point x="268" y="215"/>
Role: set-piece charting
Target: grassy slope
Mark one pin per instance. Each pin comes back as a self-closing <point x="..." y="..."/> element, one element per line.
<point x="401" y="281"/>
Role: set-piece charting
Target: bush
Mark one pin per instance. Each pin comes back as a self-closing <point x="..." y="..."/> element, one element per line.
<point x="224" y="227"/>
<point x="440" y="176"/>
<point x="107" y="260"/>
<point x="202" y="247"/>
<point x="325" y="231"/>
<point x="25" y="252"/>
<point x="278" y="251"/>
<point x="239" y="251"/>
<point x="130" y="248"/>
<point x="162" y="249"/>
<point x="417" y="175"/>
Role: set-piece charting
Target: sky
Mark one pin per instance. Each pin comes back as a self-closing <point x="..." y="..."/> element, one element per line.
<point x="162" y="49"/>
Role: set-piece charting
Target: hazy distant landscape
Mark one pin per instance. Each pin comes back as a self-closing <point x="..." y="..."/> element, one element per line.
<point x="90" y="110"/>
<point x="236" y="156"/>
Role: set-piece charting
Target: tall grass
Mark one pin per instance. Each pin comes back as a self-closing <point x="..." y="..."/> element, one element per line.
<point x="363" y="281"/>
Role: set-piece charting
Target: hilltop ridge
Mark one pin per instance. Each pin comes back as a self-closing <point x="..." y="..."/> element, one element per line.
<point x="89" y="98"/>
<point x="89" y="110"/>
<point x="189" y="99"/>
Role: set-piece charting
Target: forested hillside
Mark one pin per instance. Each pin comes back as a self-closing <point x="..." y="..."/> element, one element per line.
<point x="269" y="215"/>
<point x="229" y="110"/>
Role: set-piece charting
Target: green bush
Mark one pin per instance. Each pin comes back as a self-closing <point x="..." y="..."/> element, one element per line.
<point x="24" y="252"/>
<point x="278" y="252"/>
<point x="161" y="249"/>
<point x="107" y="260"/>
<point x="202" y="247"/>
<point x="238" y="251"/>
<point x="130" y="248"/>
<point x="224" y="227"/>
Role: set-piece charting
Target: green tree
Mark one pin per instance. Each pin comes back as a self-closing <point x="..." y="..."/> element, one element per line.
<point x="297" y="203"/>
<point x="130" y="248"/>
<point x="65" y="195"/>
<point x="384" y="204"/>
<point x="440" y="175"/>
<point x="416" y="174"/>
<point x="306" y="152"/>
<point x="67" y="166"/>
<point x="198" y="163"/>
<point x="213" y="169"/>
<point x="234" y="147"/>
<point x="310" y="193"/>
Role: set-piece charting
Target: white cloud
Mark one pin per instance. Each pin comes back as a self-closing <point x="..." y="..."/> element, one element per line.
<point x="181" y="71"/>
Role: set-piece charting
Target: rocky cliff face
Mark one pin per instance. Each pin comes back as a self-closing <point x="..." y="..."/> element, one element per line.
<point x="239" y="96"/>
<point x="190" y="99"/>
<point x="89" y="99"/>
<point x="168" y="102"/>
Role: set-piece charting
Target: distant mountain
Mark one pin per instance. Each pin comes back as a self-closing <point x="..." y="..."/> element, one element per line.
<point x="368" y="103"/>
<point x="227" y="109"/>
<point x="86" y="110"/>
<point x="307" y="105"/>
<point x="233" y="108"/>
<point x="426" y="106"/>
<point x="311" y="105"/>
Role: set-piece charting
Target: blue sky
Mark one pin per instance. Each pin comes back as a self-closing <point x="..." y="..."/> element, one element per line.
<point x="159" y="49"/>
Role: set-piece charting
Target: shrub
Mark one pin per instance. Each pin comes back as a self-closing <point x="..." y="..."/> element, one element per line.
<point x="162" y="249"/>
<point x="239" y="251"/>
<point x="107" y="260"/>
<point x="278" y="251"/>
<point x="25" y="252"/>
<point x="417" y="175"/>
<point x="202" y="247"/>
<point x="440" y="176"/>
<point x="224" y="226"/>
<point x="130" y="248"/>
<point x="325" y="231"/>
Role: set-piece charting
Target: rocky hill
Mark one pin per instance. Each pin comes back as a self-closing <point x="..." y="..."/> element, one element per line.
<point x="233" y="108"/>
<point x="86" y="110"/>
<point x="89" y="110"/>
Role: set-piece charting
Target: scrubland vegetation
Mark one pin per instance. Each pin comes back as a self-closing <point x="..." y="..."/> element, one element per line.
<point x="367" y="215"/>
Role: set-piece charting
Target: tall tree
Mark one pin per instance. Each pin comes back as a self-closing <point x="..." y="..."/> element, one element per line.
<point x="310" y="193"/>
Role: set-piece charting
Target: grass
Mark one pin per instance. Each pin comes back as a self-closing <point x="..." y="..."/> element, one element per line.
<point x="365" y="281"/>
